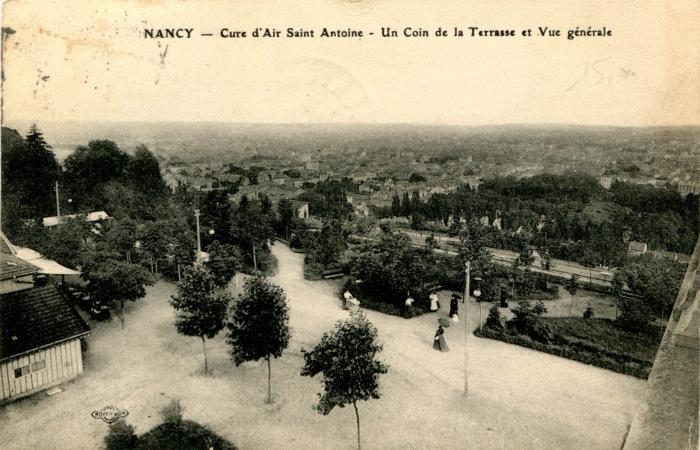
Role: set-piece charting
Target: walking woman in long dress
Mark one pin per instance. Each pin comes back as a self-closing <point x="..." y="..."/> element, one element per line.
<point x="439" y="341"/>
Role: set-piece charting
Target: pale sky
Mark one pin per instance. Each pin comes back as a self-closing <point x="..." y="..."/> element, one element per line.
<point x="83" y="61"/>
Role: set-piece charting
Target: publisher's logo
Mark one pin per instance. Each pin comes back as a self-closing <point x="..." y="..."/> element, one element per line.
<point x="110" y="414"/>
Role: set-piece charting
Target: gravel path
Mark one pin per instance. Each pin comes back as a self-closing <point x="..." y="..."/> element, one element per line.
<point x="518" y="398"/>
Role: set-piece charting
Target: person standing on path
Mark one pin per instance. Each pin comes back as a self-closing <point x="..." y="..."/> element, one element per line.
<point x="434" y="304"/>
<point x="454" y="308"/>
<point x="439" y="341"/>
<point x="407" y="307"/>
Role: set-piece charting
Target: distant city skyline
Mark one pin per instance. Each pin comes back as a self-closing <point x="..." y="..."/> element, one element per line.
<point x="72" y="61"/>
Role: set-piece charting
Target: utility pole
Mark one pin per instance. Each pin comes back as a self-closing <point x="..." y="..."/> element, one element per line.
<point x="199" y="240"/>
<point x="466" y="327"/>
<point x="58" y="205"/>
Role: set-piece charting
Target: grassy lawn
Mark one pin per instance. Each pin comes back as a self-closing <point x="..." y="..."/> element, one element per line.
<point x="598" y="342"/>
<point x="605" y="334"/>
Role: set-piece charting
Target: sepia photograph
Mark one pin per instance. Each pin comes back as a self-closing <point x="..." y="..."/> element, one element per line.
<point x="348" y="224"/>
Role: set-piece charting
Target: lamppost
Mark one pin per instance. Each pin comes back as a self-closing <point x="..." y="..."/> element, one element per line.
<point x="466" y="327"/>
<point x="199" y="239"/>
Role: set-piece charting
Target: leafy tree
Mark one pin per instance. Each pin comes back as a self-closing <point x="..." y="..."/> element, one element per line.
<point x="545" y="262"/>
<point x="113" y="280"/>
<point x="635" y="315"/>
<point x="89" y="168"/>
<point x="154" y="241"/>
<point x="253" y="228"/>
<point x="525" y="257"/>
<point x="331" y="243"/>
<point x="572" y="287"/>
<point x="590" y="260"/>
<point x="417" y="178"/>
<point x="183" y="246"/>
<point x="259" y="325"/>
<point x="286" y="220"/>
<point x="224" y="261"/>
<point x="217" y="211"/>
<point x="618" y="287"/>
<point x="66" y="242"/>
<point x="143" y="175"/>
<point x="121" y="237"/>
<point x="346" y="356"/>
<point x="201" y="310"/>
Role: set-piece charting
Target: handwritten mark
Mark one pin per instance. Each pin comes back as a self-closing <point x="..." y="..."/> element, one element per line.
<point x="597" y="73"/>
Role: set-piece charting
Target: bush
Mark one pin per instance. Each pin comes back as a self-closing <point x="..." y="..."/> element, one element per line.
<point x="190" y="435"/>
<point x="493" y="321"/>
<point x="172" y="413"/>
<point x="267" y="263"/>
<point x="121" y="436"/>
<point x="526" y="321"/>
<point x="634" y="315"/>
<point x="588" y="313"/>
<point x="313" y="271"/>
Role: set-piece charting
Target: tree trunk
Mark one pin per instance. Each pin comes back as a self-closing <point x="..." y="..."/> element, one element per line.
<point x="204" y="344"/>
<point x="178" y="273"/>
<point x="122" y="301"/>
<point x="255" y="261"/>
<point x="357" y="415"/>
<point x="571" y="305"/>
<point x="269" y="381"/>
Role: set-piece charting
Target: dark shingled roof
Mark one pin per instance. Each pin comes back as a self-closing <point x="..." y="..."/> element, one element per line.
<point x="34" y="318"/>
<point x="11" y="266"/>
<point x="5" y="245"/>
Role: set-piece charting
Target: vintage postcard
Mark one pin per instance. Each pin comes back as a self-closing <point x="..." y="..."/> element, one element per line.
<point x="338" y="223"/>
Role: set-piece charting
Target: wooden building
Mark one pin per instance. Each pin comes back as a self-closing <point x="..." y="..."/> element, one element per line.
<point x="40" y="331"/>
<point x="40" y="343"/>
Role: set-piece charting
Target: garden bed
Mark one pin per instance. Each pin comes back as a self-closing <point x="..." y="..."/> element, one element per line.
<point x="597" y="342"/>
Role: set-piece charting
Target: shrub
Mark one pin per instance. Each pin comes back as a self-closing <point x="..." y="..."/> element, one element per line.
<point x="121" y="436"/>
<point x="526" y="321"/>
<point x="588" y="313"/>
<point x="172" y="412"/>
<point x="313" y="271"/>
<point x="634" y="315"/>
<point x="493" y="321"/>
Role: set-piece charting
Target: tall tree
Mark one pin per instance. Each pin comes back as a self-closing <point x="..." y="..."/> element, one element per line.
<point x="89" y="168"/>
<point x="183" y="246"/>
<point x="113" y="280"/>
<point x="121" y="237"/>
<point x="259" y="325"/>
<point x="143" y="175"/>
<point x="572" y="287"/>
<point x="346" y="357"/>
<point x="29" y="174"/>
<point x="253" y="229"/>
<point x="286" y="217"/>
<point x="201" y="309"/>
<point x="224" y="260"/>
